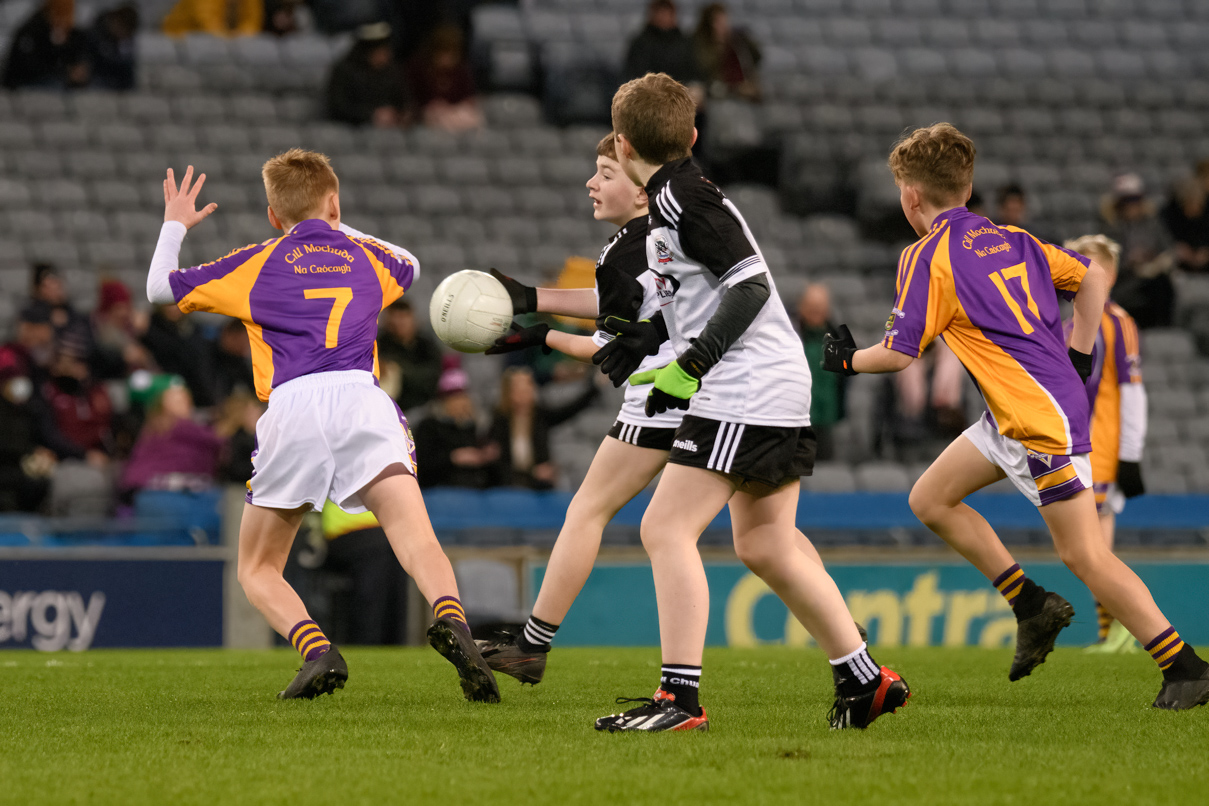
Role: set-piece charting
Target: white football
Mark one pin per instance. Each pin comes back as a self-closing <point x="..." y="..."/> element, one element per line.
<point x="470" y="310"/>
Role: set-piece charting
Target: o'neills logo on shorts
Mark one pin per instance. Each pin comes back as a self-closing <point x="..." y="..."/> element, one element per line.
<point x="685" y="445"/>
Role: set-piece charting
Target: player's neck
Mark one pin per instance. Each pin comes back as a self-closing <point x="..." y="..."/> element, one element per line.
<point x="643" y="171"/>
<point x="930" y="214"/>
<point x="622" y="220"/>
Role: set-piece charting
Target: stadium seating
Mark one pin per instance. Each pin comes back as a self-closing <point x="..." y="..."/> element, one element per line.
<point x="1060" y="95"/>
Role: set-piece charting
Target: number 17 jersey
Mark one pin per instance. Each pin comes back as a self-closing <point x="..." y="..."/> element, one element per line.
<point x="992" y="292"/>
<point x="309" y="299"/>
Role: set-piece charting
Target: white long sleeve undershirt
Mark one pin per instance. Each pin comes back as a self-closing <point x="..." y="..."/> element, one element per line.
<point x="1133" y="422"/>
<point x="168" y="250"/>
<point x="165" y="261"/>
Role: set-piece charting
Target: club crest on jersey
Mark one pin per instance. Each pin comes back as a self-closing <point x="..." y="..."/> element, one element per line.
<point x="896" y="313"/>
<point x="662" y="252"/>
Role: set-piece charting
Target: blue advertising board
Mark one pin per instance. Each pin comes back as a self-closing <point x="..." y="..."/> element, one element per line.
<point x="78" y="604"/>
<point x="941" y="604"/>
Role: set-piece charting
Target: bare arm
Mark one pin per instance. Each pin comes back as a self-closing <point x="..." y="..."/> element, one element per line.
<point x="879" y="358"/>
<point x="581" y="348"/>
<point x="578" y="302"/>
<point x="1089" y="305"/>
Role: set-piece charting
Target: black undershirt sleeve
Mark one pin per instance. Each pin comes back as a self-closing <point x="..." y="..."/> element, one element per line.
<point x="738" y="309"/>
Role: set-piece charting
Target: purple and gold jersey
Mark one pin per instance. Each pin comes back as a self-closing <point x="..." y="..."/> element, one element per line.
<point x="992" y="292"/>
<point x="1117" y="362"/>
<point x="309" y="299"/>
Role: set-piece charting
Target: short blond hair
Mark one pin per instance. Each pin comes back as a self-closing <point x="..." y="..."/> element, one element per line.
<point x="938" y="159"/>
<point x="1100" y="248"/>
<point x="655" y="113"/>
<point x="296" y="183"/>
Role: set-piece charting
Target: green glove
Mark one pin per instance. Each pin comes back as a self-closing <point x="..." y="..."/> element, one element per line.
<point x="673" y="388"/>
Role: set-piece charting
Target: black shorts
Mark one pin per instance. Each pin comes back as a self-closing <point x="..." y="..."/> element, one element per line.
<point x="765" y="454"/>
<point x="659" y="439"/>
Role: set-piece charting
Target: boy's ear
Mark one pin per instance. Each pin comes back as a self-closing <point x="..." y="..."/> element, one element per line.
<point x="624" y="148"/>
<point x="642" y="201"/>
<point x="274" y="222"/>
<point x="333" y="207"/>
<point x="693" y="142"/>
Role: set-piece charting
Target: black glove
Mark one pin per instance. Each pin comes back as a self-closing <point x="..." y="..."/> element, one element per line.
<point x="521" y="338"/>
<point x="1082" y="362"/>
<point x="632" y="342"/>
<point x="524" y="297"/>
<point x="1129" y="479"/>
<point x="838" y="349"/>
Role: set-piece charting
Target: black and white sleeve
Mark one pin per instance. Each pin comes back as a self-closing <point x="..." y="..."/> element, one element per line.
<point x="711" y="234"/>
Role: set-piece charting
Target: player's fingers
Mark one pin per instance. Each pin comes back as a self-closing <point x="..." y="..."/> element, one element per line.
<point x="207" y="210"/>
<point x="187" y="180"/>
<point x="197" y="186"/>
<point x="601" y="355"/>
<point x="170" y="184"/>
<point x="167" y="198"/>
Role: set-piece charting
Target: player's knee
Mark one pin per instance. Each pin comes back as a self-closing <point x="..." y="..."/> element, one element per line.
<point x="755" y="556"/>
<point x="923" y="503"/>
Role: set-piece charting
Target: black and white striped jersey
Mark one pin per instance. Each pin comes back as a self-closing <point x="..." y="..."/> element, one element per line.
<point x="626" y="288"/>
<point x="698" y="245"/>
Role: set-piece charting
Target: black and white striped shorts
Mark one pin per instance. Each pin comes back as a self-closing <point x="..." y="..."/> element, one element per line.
<point x="659" y="439"/>
<point x="766" y="454"/>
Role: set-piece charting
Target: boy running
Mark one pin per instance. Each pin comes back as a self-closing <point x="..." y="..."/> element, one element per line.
<point x="745" y="440"/>
<point x="1118" y="423"/>
<point x="310" y="300"/>
<point x="992" y="292"/>
<point x="637" y="446"/>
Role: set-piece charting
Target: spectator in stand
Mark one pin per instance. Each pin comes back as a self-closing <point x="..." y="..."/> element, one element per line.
<point x="727" y="57"/>
<point x="367" y="86"/>
<point x="179" y="349"/>
<point x="111" y="48"/>
<point x="449" y="450"/>
<point x="522" y="429"/>
<point x="661" y="47"/>
<point x="75" y="423"/>
<point x="415" y="355"/>
<point x="281" y="17"/>
<point x="47" y="287"/>
<point x="976" y="205"/>
<point x="1187" y="219"/>
<point x="442" y="83"/>
<point x="25" y="463"/>
<point x="172" y="452"/>
<point x="1011" y="206"/>
<point x="826" y="388"/>
<point x="48" y="51"/>
<point x="922" y="408"/>
<point x="218" y="17"/>
<point x="1144" y="287"/>
<point x="117" y="351"/>
<point x="237" y="428"/>
<point x="30" y="353"/>
<point x="232" y="361"/>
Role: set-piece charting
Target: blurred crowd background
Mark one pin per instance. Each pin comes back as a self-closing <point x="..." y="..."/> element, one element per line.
<point x="465" y="131"/>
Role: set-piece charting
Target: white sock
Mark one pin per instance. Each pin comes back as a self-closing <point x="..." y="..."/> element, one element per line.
<point x="859" y="665"/>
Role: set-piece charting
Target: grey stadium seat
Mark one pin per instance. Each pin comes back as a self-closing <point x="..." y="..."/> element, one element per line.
<point x="119" y="137"/>
<point x="512" y="111"/>
<point x="60" y="194"/>
<point x="36" y="164"/>
<point x="830" y="477"/>
<point x="411" y="170"/>
<point x="86" y="224"/>
<point x="31" y="225"/>
<point x="435" y="200"/>
<point x="112" y="195"/>
<point x="91" y="164"/>
<point x="96" y="107"/>
<point x="63" y="134"/>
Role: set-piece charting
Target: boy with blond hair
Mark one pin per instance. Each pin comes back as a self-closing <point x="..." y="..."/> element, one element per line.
<point x="1118" y="424"/>
<point x="310" y="300"/>
<point x="745" y="440"/>
<point x="993" y="293"/>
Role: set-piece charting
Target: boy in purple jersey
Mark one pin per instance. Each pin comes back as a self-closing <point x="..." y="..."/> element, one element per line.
<point x="310" y="300"/>
<point x="993" y="293"/>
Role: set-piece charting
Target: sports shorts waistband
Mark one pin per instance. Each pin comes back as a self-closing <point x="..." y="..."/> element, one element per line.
<point x="326" y="380"/>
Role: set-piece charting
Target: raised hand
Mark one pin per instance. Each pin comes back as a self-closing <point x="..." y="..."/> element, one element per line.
<point x="180" y="204"/>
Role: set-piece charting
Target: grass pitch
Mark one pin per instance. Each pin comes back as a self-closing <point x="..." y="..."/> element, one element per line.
<point x="203" y="727"/>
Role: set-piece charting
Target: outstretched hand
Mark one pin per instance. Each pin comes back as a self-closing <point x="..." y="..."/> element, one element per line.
<point x="181" y="204"/>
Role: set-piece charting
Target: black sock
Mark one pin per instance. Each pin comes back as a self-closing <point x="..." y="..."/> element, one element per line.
<point x="1186" y="665"/>
<point x="682" y="682"/>
<point x="537" y="635"/>
<point x="1030" y="600"/>
<point x="856" y="673"/>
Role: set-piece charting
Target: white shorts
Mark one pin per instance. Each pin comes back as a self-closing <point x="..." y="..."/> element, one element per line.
<point x="1043" y="478"/>
<point x="1109" y="498"/>
<point x="326" y="436"/>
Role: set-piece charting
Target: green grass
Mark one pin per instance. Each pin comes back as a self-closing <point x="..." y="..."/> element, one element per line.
<point x="185" y="726"/>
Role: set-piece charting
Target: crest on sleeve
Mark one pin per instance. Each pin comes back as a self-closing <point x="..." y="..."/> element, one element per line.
<point x="894" y="314"/>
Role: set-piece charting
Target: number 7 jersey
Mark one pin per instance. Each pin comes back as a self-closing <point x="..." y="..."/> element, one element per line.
<point x="993" y="293"/>
<point x="309" y="299"/>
